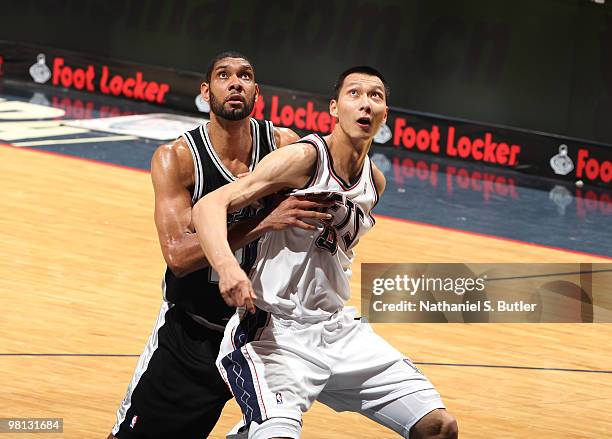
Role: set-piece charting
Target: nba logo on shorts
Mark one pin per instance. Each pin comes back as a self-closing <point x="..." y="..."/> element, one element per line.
<point x="279" y="398"/>
<point x="134" y="421"/>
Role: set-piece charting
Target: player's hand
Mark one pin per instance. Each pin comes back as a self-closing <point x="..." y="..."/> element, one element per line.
<point x="235" y="286"/>
<point x="291" y="211"/>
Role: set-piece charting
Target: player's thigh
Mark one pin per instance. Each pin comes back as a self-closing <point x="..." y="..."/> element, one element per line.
<point x="276" y="375"/>
<point x="365" y="378"/>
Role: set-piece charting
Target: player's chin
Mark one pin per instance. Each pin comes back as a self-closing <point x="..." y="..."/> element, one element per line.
<point x="234" y="106"/>
<point x="362" y="134"/>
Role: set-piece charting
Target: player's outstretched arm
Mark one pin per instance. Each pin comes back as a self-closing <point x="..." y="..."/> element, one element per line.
<point x="286" y="211"/>
<point x="172" y="175"/>
<point x="288" y="167"/>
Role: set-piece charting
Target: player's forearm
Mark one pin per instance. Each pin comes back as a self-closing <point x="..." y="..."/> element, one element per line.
<point x="246" y="231"/>
<point x="187" y="256"/>
<point x="209" y="218"/>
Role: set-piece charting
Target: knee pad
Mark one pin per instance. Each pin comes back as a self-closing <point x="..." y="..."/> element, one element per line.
<point x="276" y="427"/>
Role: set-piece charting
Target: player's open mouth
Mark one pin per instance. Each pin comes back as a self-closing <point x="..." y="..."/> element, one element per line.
<point x="364" y="122"/>
<point x="235" y="100"/>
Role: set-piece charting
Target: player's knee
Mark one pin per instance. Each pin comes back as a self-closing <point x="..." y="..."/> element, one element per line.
<point x="276" y="428"/>
<point x="448" y="427"/>
<point x="438" y="424"/>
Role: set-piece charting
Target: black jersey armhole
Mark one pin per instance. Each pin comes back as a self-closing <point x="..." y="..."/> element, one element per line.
<point x="373" y="183"/>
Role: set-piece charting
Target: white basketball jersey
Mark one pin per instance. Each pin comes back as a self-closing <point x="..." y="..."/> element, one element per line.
<point x="303" y="274"/>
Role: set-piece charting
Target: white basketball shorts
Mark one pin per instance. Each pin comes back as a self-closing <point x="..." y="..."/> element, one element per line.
<point x="277" y="367"/>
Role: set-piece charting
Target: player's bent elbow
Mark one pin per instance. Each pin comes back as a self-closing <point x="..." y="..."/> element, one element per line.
<point x="196" y="211"/>
<point x="176" y="260"/>
<point x="200" y="207"/>
<point x="197" y="214"/>
<point x="212" y="202"/>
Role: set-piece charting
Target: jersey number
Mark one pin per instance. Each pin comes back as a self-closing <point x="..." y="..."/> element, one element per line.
<point x="328" y="238"/>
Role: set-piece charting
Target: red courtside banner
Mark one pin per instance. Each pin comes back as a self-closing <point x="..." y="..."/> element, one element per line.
<point x="545" y="155"/>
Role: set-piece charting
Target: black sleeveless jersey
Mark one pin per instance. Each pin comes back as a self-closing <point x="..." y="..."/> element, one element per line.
<point x="198" y="292"/>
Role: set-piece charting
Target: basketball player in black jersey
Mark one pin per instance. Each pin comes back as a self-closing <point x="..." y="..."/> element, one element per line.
<point x="176" y="391"/>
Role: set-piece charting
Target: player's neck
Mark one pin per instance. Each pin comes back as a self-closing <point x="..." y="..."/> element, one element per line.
<point x="231" y="138"/>
<point x="348" y="154"/>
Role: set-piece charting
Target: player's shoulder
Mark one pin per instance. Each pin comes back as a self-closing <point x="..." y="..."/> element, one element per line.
<point x="173" y="157"/>
<point x="285" y="136"/>
<point x="173" y="150"/>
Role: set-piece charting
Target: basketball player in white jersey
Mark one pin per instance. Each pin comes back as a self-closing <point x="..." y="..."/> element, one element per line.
<point x="295" y="342"/>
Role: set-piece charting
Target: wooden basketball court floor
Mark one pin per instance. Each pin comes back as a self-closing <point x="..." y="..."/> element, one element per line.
<point x="81" y="271"/>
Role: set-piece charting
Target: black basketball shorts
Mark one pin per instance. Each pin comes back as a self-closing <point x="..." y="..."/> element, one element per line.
<point x="176" y="391"/>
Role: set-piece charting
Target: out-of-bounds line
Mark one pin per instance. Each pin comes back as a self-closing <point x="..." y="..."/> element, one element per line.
<point x="421" y="363"/>
<point x="495" y="366"/>
<point x="97" y="139"/>
<point x="536" y="276"/>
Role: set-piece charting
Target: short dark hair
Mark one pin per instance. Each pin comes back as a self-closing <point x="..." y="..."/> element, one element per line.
<point x="360" y="69"/>
<point x="223" y="55"/>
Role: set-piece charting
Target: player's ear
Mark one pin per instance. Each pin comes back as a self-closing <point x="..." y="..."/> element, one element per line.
<point x="386" y="114"/>
<point x="256" y="92"/>
<point x="333" y="108"/>
<point x="205" y="91"/>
